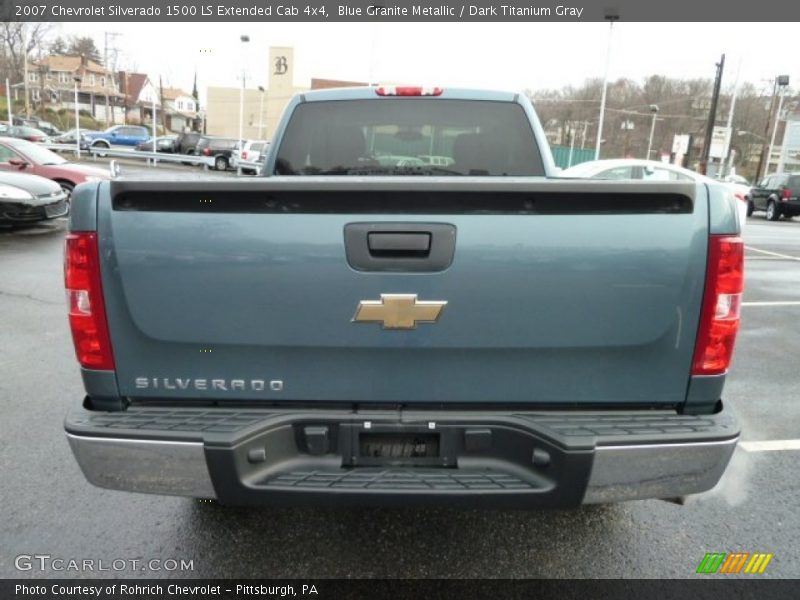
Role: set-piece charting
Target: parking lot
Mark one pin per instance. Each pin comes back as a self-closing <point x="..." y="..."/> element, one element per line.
<point x="49" y="508"/>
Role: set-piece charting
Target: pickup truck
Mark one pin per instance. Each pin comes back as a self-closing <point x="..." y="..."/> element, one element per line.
<point x="344" y="330"/>
<point x="119" y="135"/>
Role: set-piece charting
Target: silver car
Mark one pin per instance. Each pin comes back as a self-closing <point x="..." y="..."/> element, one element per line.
<point x="30" y="198"/>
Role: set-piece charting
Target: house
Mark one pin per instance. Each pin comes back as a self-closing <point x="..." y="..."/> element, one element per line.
<point x="139" y="94"/>
<point x="180" y="108"/>
<point x="52" y="81"/>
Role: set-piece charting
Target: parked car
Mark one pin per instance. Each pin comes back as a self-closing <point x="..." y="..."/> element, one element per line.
<point x="186" y="143"/>
<point x="27" y="133"/>
<point x="251" y="152"/>
<point x="50" y="129"/>
<point x="218" y="152"/>
<point x="651" y="170"/>
<point x="20" y="155"/>
<point x="68" y="137"/>
<point x="778" y="195"/>
<point x="30" y="198"/>
<point x="165" y="143"/>
<point x="119" y="135"/>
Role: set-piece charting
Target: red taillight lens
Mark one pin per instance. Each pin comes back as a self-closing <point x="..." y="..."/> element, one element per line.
<point x="87" y="314"/>
<point x="244" y="155"/>
<point x="719" y="317"/>
<point x="396" y="90"/>
<point x="206" y="151"/>
<point x="786" y="194"/>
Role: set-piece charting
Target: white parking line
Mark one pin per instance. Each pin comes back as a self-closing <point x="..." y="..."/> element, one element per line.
<point x="786" y="256"/>
<point x="770" y="445"/>
<point x="773" y="303"/>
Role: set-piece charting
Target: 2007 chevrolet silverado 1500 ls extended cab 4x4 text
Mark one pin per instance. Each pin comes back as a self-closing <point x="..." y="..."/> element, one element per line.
<point x="408" y="308"/>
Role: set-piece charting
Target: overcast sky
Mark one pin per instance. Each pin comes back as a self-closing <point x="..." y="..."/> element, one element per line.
<point x="507" y="56"/>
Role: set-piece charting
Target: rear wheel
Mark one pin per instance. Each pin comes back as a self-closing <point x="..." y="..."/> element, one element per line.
<point x="221" y="163"/>
<point x="98" y="147"/>
<point x="772" y="211"/>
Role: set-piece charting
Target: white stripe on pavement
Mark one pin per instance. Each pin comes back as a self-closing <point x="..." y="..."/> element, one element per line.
<point x="775" y="303"/>
<point x="770" y="445"/>
<point x="786" y="256"/>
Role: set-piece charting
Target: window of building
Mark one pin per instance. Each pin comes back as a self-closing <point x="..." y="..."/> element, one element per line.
<point x="35" y="94"/>
<point x="103" y="81"/>
<point x="33" y="76"/>
<point x="92" y="80"/>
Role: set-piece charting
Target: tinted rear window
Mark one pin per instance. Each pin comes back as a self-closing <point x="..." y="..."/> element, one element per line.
<point x="794" y="182"/>
<point x="409" y="136"/>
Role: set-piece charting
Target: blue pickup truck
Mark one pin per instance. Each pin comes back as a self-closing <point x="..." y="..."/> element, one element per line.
<point x="119" y="135"/>
<point x="409" y="307"/>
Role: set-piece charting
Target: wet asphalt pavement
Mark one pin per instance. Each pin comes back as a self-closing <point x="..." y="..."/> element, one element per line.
<point x="48" y="508"/>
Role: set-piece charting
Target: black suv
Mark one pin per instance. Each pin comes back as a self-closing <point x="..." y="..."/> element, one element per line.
<point x="186" y="143"/>
<point x="219" y="149"/>
<point x="778" y="195"/>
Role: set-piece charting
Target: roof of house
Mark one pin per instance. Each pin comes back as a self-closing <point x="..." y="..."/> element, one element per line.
<point x="131" y="84"/>
<point x="57" y="62"/>
<point x="172" y="93"/>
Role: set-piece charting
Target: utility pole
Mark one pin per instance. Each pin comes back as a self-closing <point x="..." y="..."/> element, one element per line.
<point x="712" y="117"/>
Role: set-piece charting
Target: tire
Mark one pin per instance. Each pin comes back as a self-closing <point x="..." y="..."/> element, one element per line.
<point x="98" y="146"/>
<point x="750" y="208"/>
<point x="772" y="211"/>
<point x="220" y="163"/>
<point x="67" y="187"/>
<point x="189" y="152"/>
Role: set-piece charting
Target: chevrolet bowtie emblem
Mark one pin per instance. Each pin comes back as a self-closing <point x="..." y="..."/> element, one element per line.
<point x="398" y="311"/>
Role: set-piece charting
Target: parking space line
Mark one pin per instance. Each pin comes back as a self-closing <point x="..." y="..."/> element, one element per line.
<point x="768" y="252"/>
<point x="770" y="445"/>
<point x="773" y="303"/>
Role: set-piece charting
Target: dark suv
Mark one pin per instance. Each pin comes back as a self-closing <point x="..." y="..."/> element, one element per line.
<point x="186" y="143"/>
<point x="218" y="150"/>
<point x="778" y="195"/>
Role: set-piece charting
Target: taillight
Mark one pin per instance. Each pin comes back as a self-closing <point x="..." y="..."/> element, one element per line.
<point x="397" y="90"/>
<point x="719" y="317"/>
<point x="244" y="155"/>
<point x="786" y="194"/>
<point x="206" y="151"/>
<point x="87" y="314"/>
<point x="740" y="196"/>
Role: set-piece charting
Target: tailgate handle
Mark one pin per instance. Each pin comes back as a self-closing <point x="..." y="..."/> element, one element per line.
<point x="400" y="244"/>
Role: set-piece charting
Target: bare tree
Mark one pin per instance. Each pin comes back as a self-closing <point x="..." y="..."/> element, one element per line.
<point x="20" y="39"/>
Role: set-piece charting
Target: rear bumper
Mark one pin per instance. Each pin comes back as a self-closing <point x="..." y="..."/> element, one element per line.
<point x="491" y="459"/>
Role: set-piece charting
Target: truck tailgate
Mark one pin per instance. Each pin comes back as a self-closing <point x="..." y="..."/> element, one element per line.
<point x="556" y="292"/>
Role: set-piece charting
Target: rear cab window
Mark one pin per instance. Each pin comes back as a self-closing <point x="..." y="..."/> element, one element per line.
<point x="402" y="136"/>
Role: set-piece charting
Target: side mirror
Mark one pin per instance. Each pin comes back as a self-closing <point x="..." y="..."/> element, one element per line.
<point x="18" y="162"/>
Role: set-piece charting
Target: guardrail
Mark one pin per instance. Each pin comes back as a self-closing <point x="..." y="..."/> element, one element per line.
<point x="247" y="165"/>
<point x="153" y="158"/>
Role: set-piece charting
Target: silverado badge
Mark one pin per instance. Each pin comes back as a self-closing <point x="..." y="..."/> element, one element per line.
<point x="398" y="311"/>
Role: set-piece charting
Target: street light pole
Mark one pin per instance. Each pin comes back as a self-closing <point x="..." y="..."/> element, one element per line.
<point x="610" y="16"/>
<point x="654" y="110"/>
<point x="780" y="80"/>
<point x="77" y="81"/>
<point x="782" y="83"/>
<point x="244" y="39"/>
<point x="261" y="113"/>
